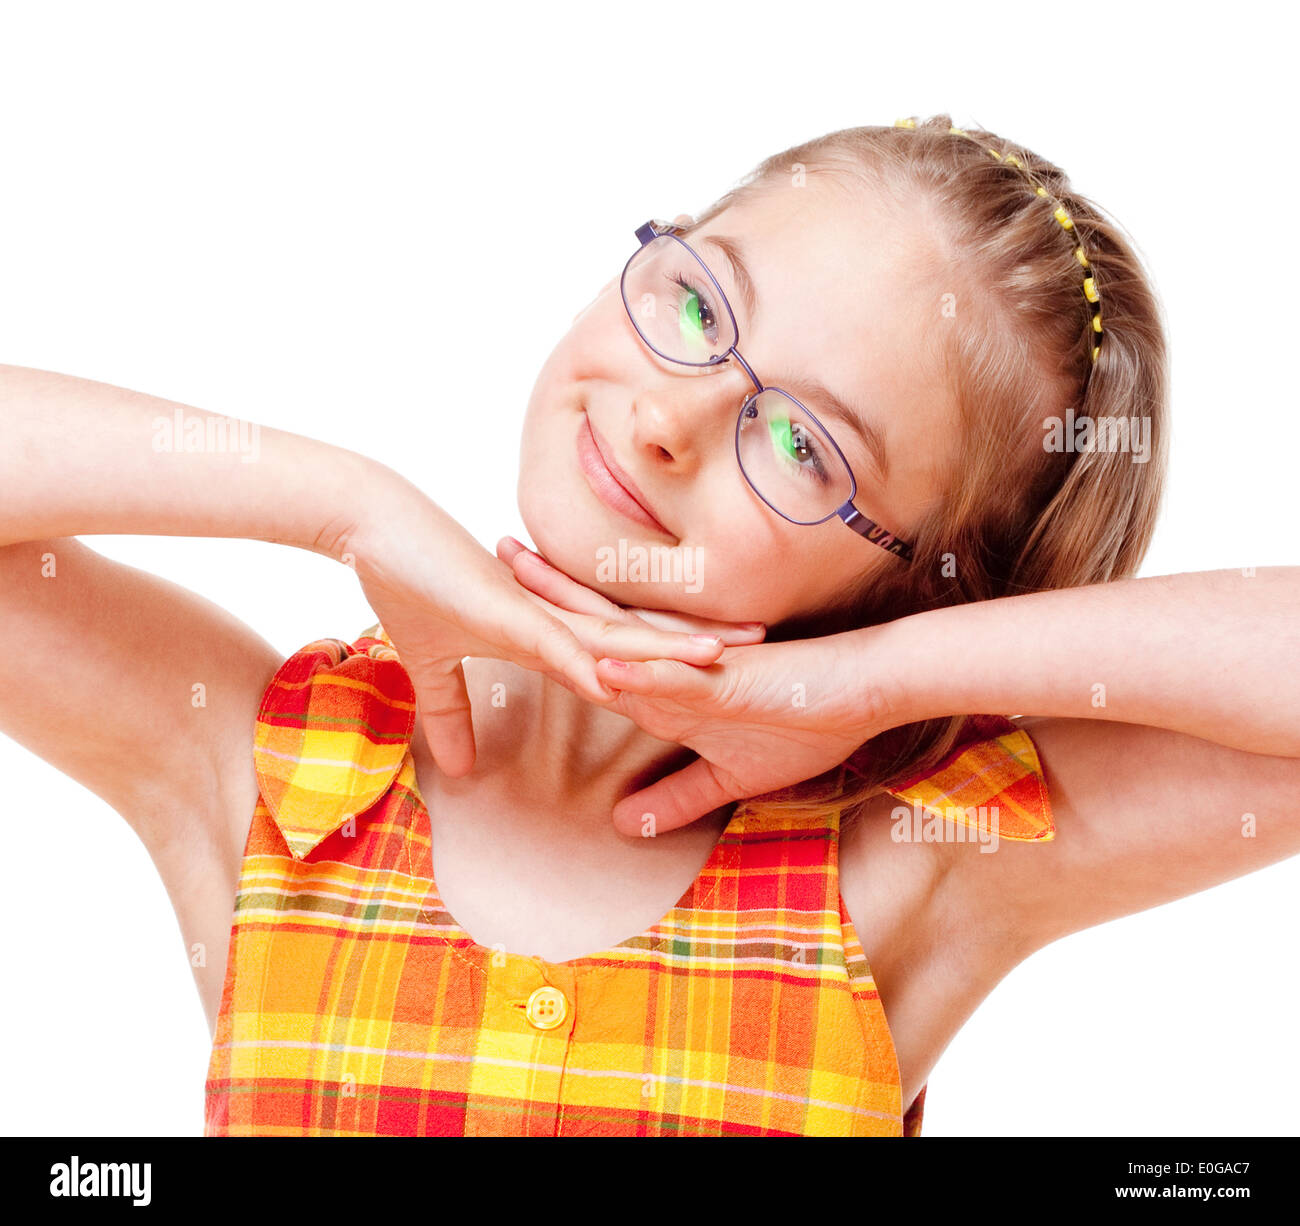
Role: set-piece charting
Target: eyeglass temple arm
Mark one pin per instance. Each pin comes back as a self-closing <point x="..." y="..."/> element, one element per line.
<point x="653" y="229"/>
<point x="873" y="532"/>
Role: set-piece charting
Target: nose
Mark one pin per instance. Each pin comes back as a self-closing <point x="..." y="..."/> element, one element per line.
<point x="681" y="419"/>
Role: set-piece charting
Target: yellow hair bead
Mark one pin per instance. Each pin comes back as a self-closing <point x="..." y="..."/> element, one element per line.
<point x="1060" y="213"/>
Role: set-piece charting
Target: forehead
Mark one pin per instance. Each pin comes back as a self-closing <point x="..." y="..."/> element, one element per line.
<point x="850" y="287"/>
<point x="835" y="254"/>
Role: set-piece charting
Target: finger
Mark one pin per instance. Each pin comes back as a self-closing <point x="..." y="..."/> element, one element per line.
<point x="630" y="639"/>
<point x="443" y="706"/>
<point x="635" y="642"/>
<point x="733" y="634"/>
<point x="659" y="678"/>
<point x="507" y="547"/>
<point x="539" y="576"/>
<point x="546" y="639"/>
<point x="676" y="800"/>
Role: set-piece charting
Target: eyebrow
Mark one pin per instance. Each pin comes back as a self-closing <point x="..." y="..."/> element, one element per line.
<point x="730" y="247"/>
<point x="872" y="437"/>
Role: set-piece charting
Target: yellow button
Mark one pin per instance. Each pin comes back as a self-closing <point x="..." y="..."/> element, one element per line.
<point x="547" y="1008"/>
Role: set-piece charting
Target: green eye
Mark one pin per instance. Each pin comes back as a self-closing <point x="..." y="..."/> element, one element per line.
<point x="696" y="324"/>
<point x="782" y="439"/>
<point x="688" y="316"/>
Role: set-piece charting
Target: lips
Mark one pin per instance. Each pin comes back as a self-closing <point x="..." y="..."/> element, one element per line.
<point x="609" y="482"/>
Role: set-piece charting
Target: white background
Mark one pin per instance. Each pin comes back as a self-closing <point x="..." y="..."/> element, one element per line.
<point x="325" y="219"/>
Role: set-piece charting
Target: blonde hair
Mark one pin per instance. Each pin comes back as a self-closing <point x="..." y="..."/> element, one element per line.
<point x="1017" y="517"/>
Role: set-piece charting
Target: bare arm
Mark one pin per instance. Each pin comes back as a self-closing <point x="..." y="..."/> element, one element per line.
<point x="101" y="660"/>
<point x="1166" y="713"/>
<point x="81" y="457"/>
<point x="99" y="679"/>
<point x="1215" y="654"/>
<point x="1144" y="816"/>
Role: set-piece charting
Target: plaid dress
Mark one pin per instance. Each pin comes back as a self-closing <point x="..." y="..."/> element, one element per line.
<point x="354" y="1005"/>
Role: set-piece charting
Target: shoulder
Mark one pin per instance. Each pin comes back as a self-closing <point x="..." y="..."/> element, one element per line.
<point x="299" y="743"/>
<point x="920" y="855"/>
<point x="916" y="880"/>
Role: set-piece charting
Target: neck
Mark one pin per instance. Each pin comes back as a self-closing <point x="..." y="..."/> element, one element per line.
<point x="541" y="746"/>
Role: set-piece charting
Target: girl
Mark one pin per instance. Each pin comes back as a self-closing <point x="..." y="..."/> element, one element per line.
<point x="871" y="333"/>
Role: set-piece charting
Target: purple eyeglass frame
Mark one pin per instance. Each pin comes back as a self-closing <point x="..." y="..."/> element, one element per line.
<point x="861" y="524"/>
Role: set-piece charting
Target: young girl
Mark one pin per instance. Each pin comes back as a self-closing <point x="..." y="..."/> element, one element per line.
<point x="842" y="405"/>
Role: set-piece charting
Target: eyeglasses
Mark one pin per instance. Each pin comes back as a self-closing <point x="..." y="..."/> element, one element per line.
<point x="788" y="457"/>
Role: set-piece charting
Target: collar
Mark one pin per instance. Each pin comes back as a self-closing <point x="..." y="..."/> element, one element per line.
<point x="332" y="734"/>
<point x="992" y="765"/>
<point x="335" y="725"/>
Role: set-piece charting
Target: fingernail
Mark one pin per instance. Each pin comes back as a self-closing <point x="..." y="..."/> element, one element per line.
<point x="528" y="556"/>
<point x="752" y="626"/>
<point x="616" y="663"/>
<point x="707" y="640"/>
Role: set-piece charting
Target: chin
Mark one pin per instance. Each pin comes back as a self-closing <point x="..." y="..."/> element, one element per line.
<point x="626" y="568"/>
<point x="610" y="554"/>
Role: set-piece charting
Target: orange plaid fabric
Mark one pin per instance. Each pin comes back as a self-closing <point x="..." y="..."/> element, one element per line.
<point x="354" y="1005"/>
<point x="991" y="778"/>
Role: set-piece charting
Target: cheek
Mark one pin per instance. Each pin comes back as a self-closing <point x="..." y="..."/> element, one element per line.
<point x="758" y="567"/>
<point x="554" y="499"/>
<point x="545" y="493"/>
<point x="739" y="561"/>
<point x="599" y="344"/>
<point x="797" y="571"/>
<point x="547" y="442"/>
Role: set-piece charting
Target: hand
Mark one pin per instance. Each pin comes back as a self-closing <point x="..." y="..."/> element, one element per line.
<point x="441" y="596"/>
<point x="761" y="716"/>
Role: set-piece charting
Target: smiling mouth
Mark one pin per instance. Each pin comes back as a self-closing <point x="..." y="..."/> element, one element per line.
<point x="612" y="490"/>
